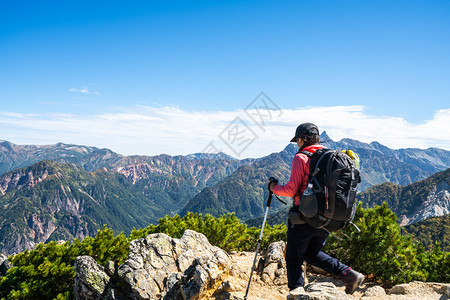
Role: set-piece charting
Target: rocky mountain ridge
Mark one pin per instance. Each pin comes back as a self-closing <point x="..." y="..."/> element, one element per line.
<point x="157" y="185"/>
<point x="170" y="180"/>
<point x="14" y="156"/>
<point x="418" y="201"/>
<point x="174" y="180"/>
<point x="378" y="163"/>
<point x="436" y="204"/>
<point x="159" y="267"/>
<point x="50" y="201"/>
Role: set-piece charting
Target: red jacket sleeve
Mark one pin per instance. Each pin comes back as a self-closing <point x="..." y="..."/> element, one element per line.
<point x="297" y="181"/>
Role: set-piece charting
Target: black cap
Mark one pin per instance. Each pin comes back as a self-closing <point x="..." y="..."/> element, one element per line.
<point x="305" y="129"/>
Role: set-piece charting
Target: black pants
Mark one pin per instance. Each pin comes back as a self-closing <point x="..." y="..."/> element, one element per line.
<point x="304" y="244"/>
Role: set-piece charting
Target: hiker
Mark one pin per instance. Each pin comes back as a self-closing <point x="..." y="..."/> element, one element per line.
<point x="304" y="242"/>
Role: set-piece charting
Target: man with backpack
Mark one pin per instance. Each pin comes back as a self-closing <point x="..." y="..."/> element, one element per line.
<point x="305" y="241"/>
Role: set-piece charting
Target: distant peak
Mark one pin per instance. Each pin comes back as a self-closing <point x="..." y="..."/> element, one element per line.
<point x="324" y="137"/>
<point x="380" y="147"/>
<point x="6" y="142"/>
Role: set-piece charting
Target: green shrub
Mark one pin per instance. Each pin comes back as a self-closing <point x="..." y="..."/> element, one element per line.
<point x="225" y="232"/>
<point x="379" y="249"/>
<point x="47" y="271"/>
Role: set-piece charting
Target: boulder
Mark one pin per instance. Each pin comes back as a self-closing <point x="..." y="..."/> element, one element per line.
<point x="91" y="279"/>
<point x="274" y="265"/>
<point x="161" y="267"/>
<point x="157" y="267"/>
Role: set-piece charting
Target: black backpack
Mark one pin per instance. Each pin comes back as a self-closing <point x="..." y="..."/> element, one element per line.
<point x="329" y="201"/>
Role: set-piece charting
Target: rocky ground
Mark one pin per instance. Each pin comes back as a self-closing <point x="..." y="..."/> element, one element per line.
<point x="259" y="290"/>
<point x="190" y="268"/>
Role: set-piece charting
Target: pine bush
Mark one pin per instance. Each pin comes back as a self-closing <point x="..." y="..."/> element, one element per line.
<point x="379" y="249"/>
<point x="47" y="272"/>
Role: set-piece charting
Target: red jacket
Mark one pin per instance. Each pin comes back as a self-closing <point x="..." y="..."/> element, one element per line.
<point x="299" y="176"/>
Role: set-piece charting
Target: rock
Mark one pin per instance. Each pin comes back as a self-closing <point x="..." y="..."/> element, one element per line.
<point x="297" y="293"/>
<point x="4" y="265"/>
<point x="91" y="279"/>
<point x="281" y="277"/>
<point x="231" y="285"/>
<point x="325" y="291"/>
<point x="423" y="290"/>
<point x="319" y="291"/>
<point x="268" y="274"/>
<point x="275" y="254"/>
<point x="274" y="265"/>
<point x="375" y="291"/>
<point x="110" y="268"/>
<point x="161" y="267"/>
<point x="401" y="289"/>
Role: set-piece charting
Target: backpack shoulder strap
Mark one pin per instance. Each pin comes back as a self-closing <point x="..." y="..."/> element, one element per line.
<point x="306" y="153"/>
<point x="317" y="169"/>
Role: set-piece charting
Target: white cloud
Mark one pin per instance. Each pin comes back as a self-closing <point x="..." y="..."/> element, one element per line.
<point x="84" y="90"/>
<point x="155" y="130"/>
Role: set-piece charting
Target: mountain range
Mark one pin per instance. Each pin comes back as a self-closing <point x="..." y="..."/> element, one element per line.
<point x="413" y="203"/>
<point x="51" y="201"/>
<point x="65" y="191"/>
<point x="378" y="164"/>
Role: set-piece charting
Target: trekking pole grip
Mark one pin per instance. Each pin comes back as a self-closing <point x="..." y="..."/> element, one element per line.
<point x="269" y="199"/>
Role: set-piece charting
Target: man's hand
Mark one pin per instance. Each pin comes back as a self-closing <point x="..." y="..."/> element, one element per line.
<point x="271" y="186"/>
<point x="272" y="183"/>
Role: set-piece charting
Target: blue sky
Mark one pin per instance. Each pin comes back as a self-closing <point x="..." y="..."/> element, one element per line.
<point x="68" y="68"/>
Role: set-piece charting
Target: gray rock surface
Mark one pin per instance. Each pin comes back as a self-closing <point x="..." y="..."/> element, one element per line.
<point x="320" y="291"/>
<point x="375" y="291"/>
<point x="274" y="265"/>
<point x="436" y="204"/>
<point x="161" y="267"/>
<point x="422" y="290"/>
<point x="157" y="267"/>
<point x="91" y="279"/>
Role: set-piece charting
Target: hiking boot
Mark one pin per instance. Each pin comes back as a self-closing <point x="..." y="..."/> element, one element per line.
<point x="352" y="280"/>
<point x="295" y="293"/>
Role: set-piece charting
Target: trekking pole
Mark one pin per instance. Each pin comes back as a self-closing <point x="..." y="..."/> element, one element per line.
<point x="269" y="201"/>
